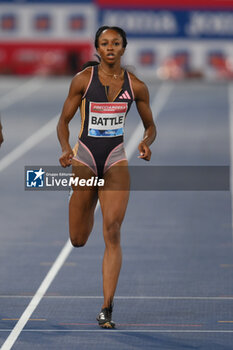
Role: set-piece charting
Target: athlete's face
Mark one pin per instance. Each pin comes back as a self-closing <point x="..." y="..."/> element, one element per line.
<point x="110" y="46"/>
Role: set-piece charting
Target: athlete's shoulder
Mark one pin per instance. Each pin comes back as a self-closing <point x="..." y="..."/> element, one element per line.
<point x="83" y="75"/>
<point x="139" y="87"/>
<point x="135" y="80"/>
<point x="80" y="80"/>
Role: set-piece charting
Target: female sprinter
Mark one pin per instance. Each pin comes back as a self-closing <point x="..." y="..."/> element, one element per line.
<point x="104" y="92"/>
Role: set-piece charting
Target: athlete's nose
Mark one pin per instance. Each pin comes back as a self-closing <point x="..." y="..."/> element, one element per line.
<point x="110" y="47"/>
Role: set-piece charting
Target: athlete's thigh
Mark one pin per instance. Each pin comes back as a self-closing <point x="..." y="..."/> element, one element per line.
<point x="83" y="199"/>
<point x="82" y="204"/>
<point x="115" y="194"/>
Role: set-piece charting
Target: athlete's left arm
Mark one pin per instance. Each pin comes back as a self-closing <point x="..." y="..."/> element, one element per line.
<point x="143" y="106"/>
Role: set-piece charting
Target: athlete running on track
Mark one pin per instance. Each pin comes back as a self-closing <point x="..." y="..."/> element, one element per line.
<point x="104" y="93"/>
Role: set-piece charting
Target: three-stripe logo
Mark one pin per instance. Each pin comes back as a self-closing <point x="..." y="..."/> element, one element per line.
<point x="125" y="95"/>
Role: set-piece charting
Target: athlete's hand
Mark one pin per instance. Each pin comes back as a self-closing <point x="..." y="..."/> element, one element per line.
<point x="66" y="158"/>
<point x="144" y="150"/>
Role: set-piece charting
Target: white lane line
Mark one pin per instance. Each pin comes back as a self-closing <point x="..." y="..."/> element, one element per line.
<point x="21" y="92"/>
<point x="38" y="296"/>
<point x="29" y="143"/>
<point x="116" y="297"/>
<point x="230" y="101"/>
<point x="123" y="331"/>
<point x="62" y="255"/>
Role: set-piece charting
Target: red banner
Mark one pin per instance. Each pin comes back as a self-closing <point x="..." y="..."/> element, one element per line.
<point x="43" y="58"/>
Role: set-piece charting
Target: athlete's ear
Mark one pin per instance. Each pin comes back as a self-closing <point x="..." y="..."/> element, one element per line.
<point x="122" y="51"/>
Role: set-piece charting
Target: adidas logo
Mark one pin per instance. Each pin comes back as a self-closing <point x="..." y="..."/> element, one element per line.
<point x="125" y="95"/>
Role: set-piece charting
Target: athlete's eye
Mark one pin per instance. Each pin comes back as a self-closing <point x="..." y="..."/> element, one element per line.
<point x="116" y="44"/>
<point x="103" y="44"/>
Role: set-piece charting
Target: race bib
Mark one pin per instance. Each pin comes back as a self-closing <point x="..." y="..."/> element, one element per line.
<point x="106" y="119"/>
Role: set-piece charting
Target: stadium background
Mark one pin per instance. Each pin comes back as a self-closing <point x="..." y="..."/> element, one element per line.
<point x="167" y="39"/>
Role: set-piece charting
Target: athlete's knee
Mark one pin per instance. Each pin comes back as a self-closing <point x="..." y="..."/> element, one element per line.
<point x="79" y="239"/>
<point x="112" y="232"/>
<point x="77" y="243"/>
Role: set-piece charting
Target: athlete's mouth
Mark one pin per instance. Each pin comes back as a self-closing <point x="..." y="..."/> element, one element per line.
<point x="110" y="55"/>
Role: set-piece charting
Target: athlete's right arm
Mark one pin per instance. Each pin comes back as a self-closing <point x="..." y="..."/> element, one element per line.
<point x="70" y="107"/>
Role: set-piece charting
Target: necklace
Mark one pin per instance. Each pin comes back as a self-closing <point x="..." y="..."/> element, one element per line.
<point x="115" y="76"/>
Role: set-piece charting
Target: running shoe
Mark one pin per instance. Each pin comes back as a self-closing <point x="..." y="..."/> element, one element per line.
<point x="105" y="318"/>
